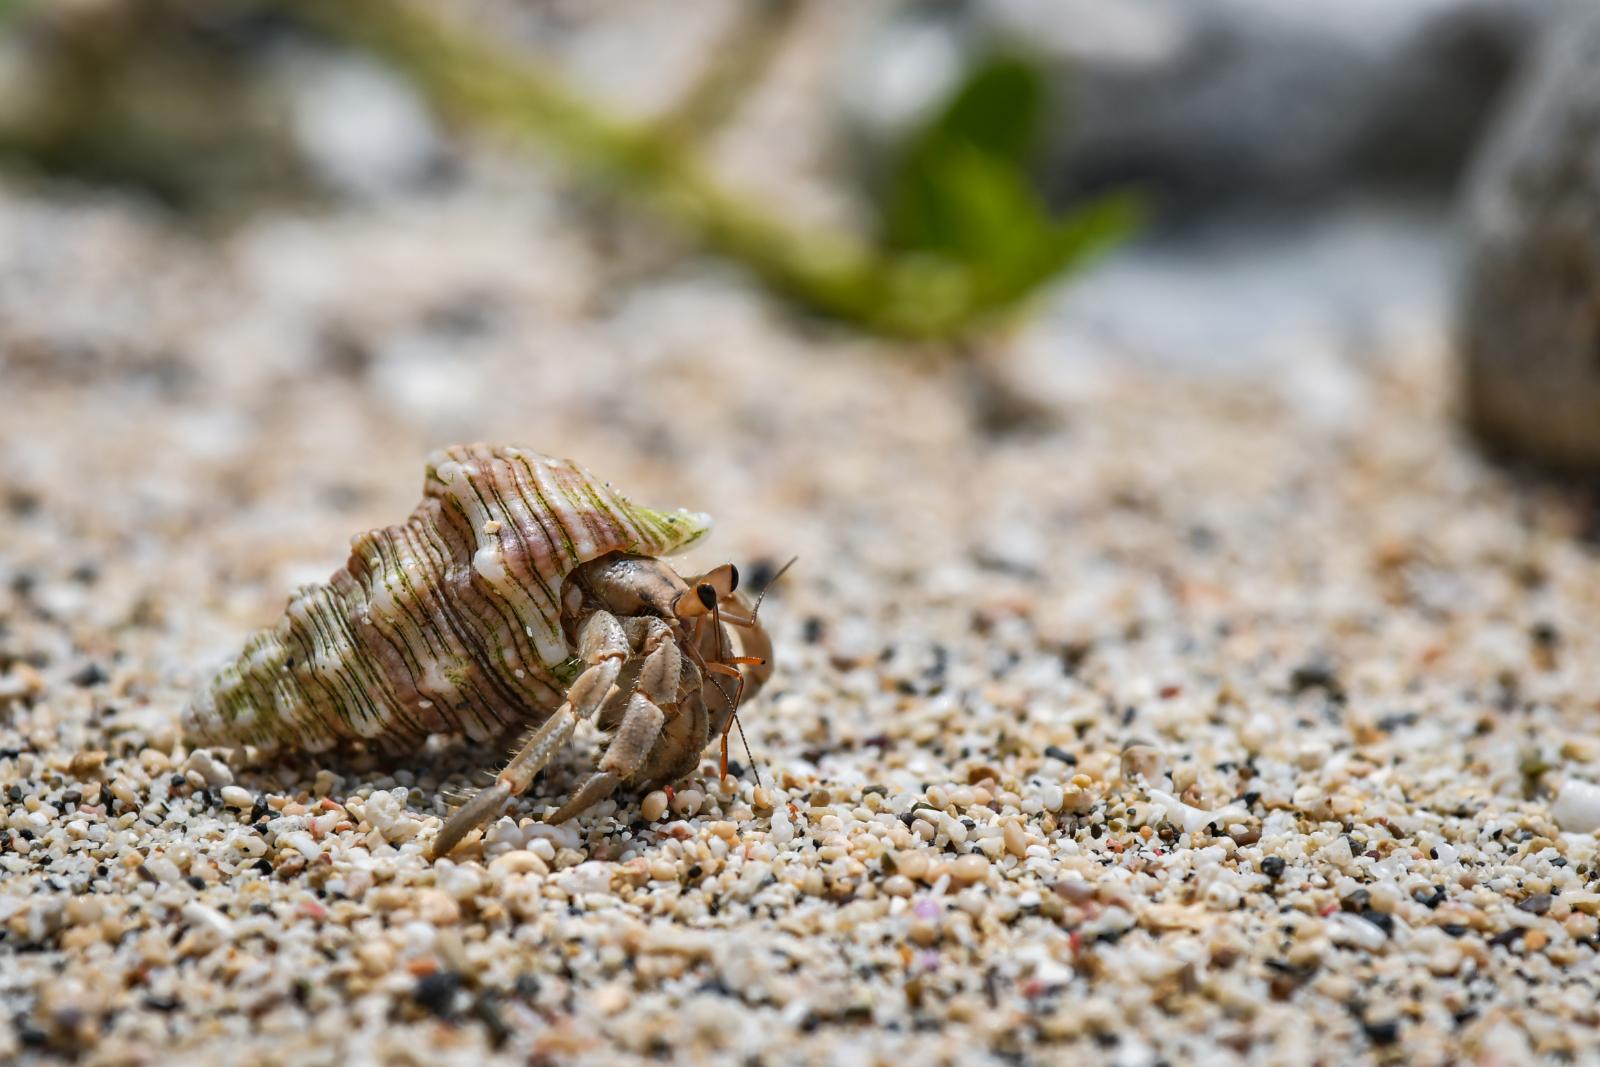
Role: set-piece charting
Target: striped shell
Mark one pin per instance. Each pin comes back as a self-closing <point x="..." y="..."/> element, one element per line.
<point x="450" y="621"/>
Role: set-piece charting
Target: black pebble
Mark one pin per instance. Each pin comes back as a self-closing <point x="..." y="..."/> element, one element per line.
<point x="1507" y="937"/>
<point x="1379" y="919"/>
<point x="1537" y="904"/>
<point x="1385" y="1033"/>
<point x="1315" y="675"/>
<point x="1430" y="900"/>
<point x="437" y="992"/>
<point x="90" y="674"/>
<point x="759" y="574"/>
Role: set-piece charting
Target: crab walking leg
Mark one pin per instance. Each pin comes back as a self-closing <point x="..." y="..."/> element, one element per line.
<point x="684" y="736"/>
<point x="632" y="743"/>
<point x="659" y="681"/>
<point x="603" y="645"/>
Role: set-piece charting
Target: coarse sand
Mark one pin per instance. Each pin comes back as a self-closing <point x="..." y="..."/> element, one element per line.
<point x="1196" y="724"/>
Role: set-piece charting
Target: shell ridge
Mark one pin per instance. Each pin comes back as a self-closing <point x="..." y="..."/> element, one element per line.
<point x="474" y="680"/>
<point x="246" y="699"/>
<point x="400" y="683"/>
<point x="308" y="605"/>
<point x="522" y="600"/>
<point x="541" y="599"/>
<point x="429" y="526"/>
<point x="499" y="620"/>
<point x="552" y="647"/>
<point x="386" y="677"/>
<point x="371" y="690"/>
<point x="375" y="627"/>
<point x="319" y="613"/>
<point x="585" y="519"/>
<point x="377" y="573"/>
<point x="439" y="678"/>
<point x="528" y="482"/>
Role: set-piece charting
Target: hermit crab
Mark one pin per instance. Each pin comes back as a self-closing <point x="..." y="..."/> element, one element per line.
<point x="522" y="595"/>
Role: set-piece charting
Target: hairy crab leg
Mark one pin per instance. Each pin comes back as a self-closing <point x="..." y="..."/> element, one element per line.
<point x="635" y="737"/>
<point x="641" y="724"/>
<point x="604" y="647"/>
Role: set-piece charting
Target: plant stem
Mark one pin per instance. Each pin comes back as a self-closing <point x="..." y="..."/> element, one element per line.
<point x="482" y="84"/>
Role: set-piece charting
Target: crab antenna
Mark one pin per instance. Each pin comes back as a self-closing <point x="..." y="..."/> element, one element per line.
<point x="745" y="741"/>
<point x="755" y="611"/>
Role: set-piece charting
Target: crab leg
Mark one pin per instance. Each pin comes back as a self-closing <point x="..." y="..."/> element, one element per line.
<point x="659" y="679"/>
<point x="604" y="646"/>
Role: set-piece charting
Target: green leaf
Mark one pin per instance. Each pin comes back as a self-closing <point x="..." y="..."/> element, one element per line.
<point x="962" y="177"/>
<point x="962" y="194"/>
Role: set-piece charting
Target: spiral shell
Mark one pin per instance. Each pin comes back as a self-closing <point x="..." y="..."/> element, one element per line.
<point x="450" y="621"/>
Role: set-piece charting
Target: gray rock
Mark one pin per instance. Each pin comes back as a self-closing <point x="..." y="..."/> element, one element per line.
<point x="1530" y="301"/>
<point x="1221" y="102"/>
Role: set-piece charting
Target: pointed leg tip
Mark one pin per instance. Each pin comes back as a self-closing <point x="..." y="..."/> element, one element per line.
<point x="471" y="815"/>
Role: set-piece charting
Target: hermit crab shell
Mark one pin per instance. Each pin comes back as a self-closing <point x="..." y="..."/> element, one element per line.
<point x="450" y="621"/>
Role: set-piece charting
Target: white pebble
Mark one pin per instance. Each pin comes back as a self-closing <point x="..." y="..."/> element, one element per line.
<point x="386" y="813"/>
<point x="302" y="843"/>
<point x="1577" y="808"/>
<point x="653" y="806"/>
<point x="236" y="797"/>
<point x="208" y="918"/>
<point x="585" y="878"/>
<point x="1189" y="819"/>
<point x="207" y="766"/>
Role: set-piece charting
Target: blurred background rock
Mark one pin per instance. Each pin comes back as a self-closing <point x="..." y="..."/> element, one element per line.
<point x="1530" y="303"/>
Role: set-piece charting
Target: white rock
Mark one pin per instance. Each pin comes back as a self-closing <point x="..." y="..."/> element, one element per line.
<point x="1189" y="819"/>
<point x="302" y="842"/>
<point x="1577" y="808"/>
<point x="209" y="919"/>
<point x="386" y="813"/>
<point x="209" y="768"/>
<point x="586" y="878"/>
<point x="1346" y="929"/>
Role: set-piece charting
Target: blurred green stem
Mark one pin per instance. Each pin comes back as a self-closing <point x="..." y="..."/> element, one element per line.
<point x="906" y="296"/>
<point x="741" y="55"/>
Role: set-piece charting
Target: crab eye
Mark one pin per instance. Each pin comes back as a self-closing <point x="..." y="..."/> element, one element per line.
<point x="733" y="578"/>
<point x="707" y="595"/>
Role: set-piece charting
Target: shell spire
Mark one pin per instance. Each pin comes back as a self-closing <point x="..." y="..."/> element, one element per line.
<point x="448" y="621"/>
